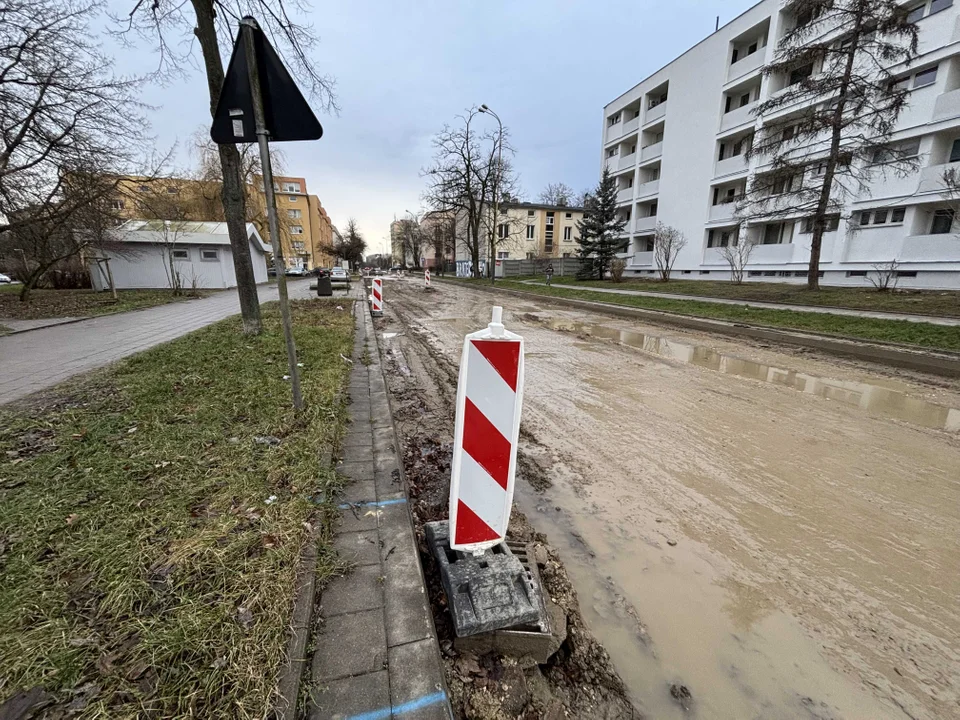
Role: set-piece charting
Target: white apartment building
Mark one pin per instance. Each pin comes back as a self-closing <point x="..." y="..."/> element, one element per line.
<point x="675" y="144"/>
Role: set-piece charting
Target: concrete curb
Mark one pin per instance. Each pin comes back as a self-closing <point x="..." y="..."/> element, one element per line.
<point x="942" y="363"/>
<point x="71" y="321"/>
<point x="375" y="653"/>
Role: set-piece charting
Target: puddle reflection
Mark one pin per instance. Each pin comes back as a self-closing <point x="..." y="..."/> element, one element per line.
<point x="868" y="396"/>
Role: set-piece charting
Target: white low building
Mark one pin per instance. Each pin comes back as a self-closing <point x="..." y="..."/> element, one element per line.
<point x="675" y="144"/>
<point x="147" y="253"/>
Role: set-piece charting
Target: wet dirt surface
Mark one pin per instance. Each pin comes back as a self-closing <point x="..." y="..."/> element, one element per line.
<point x="776" y="531"/>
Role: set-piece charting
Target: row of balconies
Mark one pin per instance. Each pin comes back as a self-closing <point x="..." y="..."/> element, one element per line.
<point x="625" y="127"/>
<point x="865" y="248"/>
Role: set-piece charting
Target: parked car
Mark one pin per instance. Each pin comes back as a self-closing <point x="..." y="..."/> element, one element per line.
<point x="338" y="272"/>
<point x="295" y="272"/>
<point x="4" y="279"/>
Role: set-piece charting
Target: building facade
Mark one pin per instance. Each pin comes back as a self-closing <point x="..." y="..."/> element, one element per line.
<point x="676" y="145"/>
<point x="306" y="233"/>
<point x="533" y="231"/>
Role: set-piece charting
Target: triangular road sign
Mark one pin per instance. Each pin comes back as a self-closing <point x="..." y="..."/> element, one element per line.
<point x="288" y="116"/>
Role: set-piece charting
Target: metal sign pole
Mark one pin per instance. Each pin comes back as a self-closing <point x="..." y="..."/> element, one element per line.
<point x="247" y="27"/>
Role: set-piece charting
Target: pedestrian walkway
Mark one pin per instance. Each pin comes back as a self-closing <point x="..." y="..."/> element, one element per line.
<point x="875" y="314"/>
<point x="41" y="358"/>
<point x="376" y="652"/>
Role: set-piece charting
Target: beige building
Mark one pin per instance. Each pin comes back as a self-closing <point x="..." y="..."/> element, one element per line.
<point x="306" y="233"/>
<point x="534" y="230"/>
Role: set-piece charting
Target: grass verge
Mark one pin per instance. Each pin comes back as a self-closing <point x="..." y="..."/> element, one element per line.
<point x="148" y="541"/>
<point x="44" y="304"/>
<point x="924" y="335"/>
<point x="945" y="303"/>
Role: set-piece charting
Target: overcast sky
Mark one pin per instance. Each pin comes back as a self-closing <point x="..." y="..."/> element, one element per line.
<point x="405" y="67"/>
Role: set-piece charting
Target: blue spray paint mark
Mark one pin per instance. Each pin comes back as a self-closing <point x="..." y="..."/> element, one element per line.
<point x="382" y="713"/>
<point x="382" y="503"/>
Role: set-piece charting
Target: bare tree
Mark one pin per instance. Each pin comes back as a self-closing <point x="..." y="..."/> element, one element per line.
<point x="885" y="276"/>
<point x="464" y="176"/>
<point x="68" y="128"/>
<point x="441" y="232"/>
<point x="349" y="245"/>
<point x="737" y="254"/>
<point x="831" y="70"/>
<point x="413" y="241"/>
<point x="170" y="214"/>
<point x="557" y="194"/>
<point x="667" y="244"/>
<point x="172" y="25"/>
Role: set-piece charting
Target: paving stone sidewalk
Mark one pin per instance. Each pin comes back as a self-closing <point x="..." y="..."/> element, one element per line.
<point x="376" y="653"/>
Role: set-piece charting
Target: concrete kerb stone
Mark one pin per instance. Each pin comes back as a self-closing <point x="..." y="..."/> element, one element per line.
<point x="351" y="697"/>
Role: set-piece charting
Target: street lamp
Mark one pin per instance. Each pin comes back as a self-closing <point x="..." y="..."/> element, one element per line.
<point x="496" y="193"/>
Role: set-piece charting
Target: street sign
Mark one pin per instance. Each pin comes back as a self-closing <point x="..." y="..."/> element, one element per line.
<point x="287" y="115"/>
<point x="489" y="399"/>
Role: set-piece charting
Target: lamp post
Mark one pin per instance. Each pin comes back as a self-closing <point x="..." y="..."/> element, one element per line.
<point x="496" y="194"/>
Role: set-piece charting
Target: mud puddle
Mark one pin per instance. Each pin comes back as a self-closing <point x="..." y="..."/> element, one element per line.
<point x="877" y="397"/>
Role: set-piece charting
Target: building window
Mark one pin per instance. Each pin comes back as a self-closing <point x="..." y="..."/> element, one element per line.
<point x="173" y="190"/>
<point x="832" y="222"/>
<point x="531" y="231"/>
<point x="503" y="255"/>
<point x="856" y="273"/>
<point x="955" y="151"/>
<point x="721" y="238"/>
<point x="900" y="151"/>
<point x="613" y="120"/>
<point x="530" y="213"/>
<point x="799" y="74"/>
<point x="116" y="204"/>
<point x="568" y="233"/>
<point x="938" y="5"/>
<point x="906" y="273"/>
<point x="942" y="222"/>
<point x="549" y="219"/>
<point x="612" y="152"/>
<point x="294" y="213"/>
<point x="881" y="216"/>
<point x="776" y="234"/>
<point x="657" y="100"/>
<point x="916" y="13"/>
<point x="291" y="187"/>
<point x="503" y="231"/>
<point x="296" y="229"/>
<point x="292" y="198"/>
<point x="569" y="216"/>
<point x="210" y="255"/>
<point x="181" y="254"/>
<point x="704" y="272"/>
<point x="925" y="77"/>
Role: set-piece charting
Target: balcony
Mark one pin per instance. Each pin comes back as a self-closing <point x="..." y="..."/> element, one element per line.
<point x="627" y="161"/>
<point x="771" y="254"/>
<point x="643" y="258"/>
<point x="738" y="117"/>
<point x="723" y="211"/>
<point x="613" y="163"/>
<point x="731" y="165"/>
<point x="631" y="126"/>
<point x="625" y="195"/>
<point x="645" y="224"/>
<point x="648" y="189"/>
<point x="947" y="106"/>
<point x="713" y="256"/>
<point x="651" y="152"/>
<point x="747" y="65"/>
<point x="655" y="113"/>
<point x="614" y="131"/>
<point x="931" y="178"/>
<point x="938" y="30"/>
<point x="881" y="245"/>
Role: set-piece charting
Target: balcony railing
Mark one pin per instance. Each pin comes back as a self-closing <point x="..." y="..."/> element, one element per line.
<point x="630" y="126"/>
<point x="931" y="178"/>
<point x="881" y="245"/>
<point x="648" y="189"/>
<point x="730" y="166"/>
<point x="947" y="105"/>
<point x="651" y="152"/>
<point x="655" y="113"/>
<point x="627" y="161"/>
<point x="625" y="195"/>
<point x="746" y="65"/>
<point x="723" y="211"/>
<point x="645" y="224"/>
<point x="643" y="258"/>
<point x="613" y="163"/>
<point x="738" y="117"/>
<point x="614" y="131"/>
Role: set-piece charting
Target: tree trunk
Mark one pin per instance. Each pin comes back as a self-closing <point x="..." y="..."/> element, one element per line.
<point x="823" y="202"/>
<point x="232" y="193"/>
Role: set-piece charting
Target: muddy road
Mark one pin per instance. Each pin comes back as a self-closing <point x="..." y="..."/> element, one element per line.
<point x="777" y="530"/>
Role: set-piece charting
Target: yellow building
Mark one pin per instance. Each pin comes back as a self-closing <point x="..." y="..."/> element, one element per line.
<point x="306" y="233"/>
<point x="534" y="230"/>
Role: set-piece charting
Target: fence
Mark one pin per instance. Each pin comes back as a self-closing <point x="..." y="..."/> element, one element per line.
<point x="561" y="267"/>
